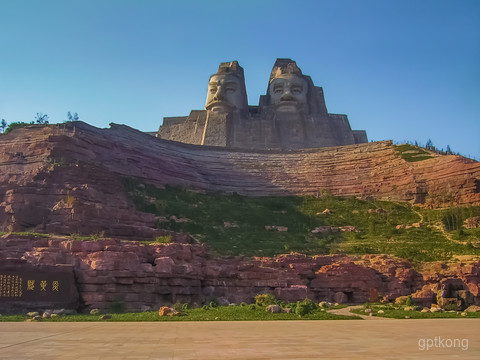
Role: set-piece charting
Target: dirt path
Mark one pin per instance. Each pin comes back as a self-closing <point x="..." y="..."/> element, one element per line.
<point x="420" y="215"/>
<point x="346" y="312"/>
<point x="439" y="227"/>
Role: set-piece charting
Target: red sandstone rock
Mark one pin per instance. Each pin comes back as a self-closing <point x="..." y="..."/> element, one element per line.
<point x="164" y="265"/>
<point x="348" y="228"/>
<point x="325" y="229"/>
<point x="277" y="228"/>
<point x="167" y="311"/>
<point x="86" y="194"/>
<point x="473" y="222"/>
<point x="160" y="274"/>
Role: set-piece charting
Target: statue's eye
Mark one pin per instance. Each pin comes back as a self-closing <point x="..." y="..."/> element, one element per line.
<point x="232" y="89"/>
<point x="296" y="90"/>
<point x="213" y="90"/>
<point x="278" y="90"/>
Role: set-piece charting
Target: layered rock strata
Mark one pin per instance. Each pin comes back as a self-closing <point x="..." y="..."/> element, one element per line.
<point x="68" y="178"/>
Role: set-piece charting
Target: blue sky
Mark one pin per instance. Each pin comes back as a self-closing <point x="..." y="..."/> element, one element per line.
<point x="400" y="69"/>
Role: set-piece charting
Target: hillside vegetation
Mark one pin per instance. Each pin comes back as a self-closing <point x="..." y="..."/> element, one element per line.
<point x="236" y="225"/>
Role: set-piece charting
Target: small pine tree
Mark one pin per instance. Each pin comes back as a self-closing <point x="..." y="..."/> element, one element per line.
<point x="3" y="125"/>
<point x="449" y="151"/>
<point x="41" y="118"/>
<point x="429" y="145"/>
<point x="73" y="117"/>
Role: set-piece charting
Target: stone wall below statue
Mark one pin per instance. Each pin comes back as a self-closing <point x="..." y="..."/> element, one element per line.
<point x="144" y="277"/>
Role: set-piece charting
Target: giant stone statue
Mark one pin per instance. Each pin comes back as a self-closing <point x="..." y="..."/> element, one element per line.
<point x="292" y="114"/>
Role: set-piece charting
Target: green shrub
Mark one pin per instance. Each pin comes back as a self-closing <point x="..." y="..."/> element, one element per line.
<point x="265" y="299"/>
<point x="178" y="306"/>
<point x="167" y="239"/>
<point x="409" y="301"/>
<point x="213" y="304"/>
<point x="451" y="307"/>
<point x="305" y="307"/>
<point x="206" y="307"/>
<point x="16" y="125"/>
<point x="301" y="310"/>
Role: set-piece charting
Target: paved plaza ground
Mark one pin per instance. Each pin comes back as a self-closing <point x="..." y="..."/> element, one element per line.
<point x="333" y="339"/>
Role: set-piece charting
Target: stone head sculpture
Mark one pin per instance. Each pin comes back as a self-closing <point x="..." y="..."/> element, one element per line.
<point x="226" y="89"/>
<point x="288" y="89"/>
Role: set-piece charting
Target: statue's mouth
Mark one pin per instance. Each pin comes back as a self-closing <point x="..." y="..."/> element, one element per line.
<point x="219" y="106"/>
<point x="287" y="105"/>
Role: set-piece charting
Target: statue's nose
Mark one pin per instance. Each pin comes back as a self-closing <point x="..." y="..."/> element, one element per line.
<point x="219" y="94"/>
<point x="287" y="96"/>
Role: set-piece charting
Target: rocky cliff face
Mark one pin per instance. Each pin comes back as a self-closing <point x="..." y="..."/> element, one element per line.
<point x="148" y="276"/>
<point x="67" y="178"/>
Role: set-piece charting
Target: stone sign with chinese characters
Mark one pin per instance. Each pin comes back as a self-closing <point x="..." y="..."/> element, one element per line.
<point x="27" y="287"/>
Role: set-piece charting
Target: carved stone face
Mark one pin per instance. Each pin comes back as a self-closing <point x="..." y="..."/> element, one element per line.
<point x="224" y="93"/>
<point x="288" y="92"/>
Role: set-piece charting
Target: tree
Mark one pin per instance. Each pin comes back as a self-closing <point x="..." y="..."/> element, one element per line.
<point x="3" y="125"/>
<point x="73" y="117"/>
<point x="449" y="151"/>
<point x="429" y="145"/>
<point x="41" y="119"/>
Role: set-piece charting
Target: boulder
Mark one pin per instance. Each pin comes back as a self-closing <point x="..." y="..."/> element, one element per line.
<point x="325" y="304"/>
<point x="348" y="228"/>
<point x="325" y="229"/>
<point x="401" y="300"/>
<point x="167" y="311"/>
<point x="274" y="309"/>
<point x="473" y="308"/>
<point x="47" y="314"/>
<point x="277" y="228"/>
<point x="472" y="222"/>
<point x="228" y="225"/>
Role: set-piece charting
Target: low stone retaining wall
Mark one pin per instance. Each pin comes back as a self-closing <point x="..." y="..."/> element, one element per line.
<point x="142" y="276"/>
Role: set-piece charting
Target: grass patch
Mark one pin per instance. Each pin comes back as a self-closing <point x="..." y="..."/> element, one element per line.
<point x="413" y="153"/>
<point x="13" y="318"/>
<point x="220" y="313"/>
<point x="26" y="234"/>
<point x="391" y="311"/>
<point x="231" y="224"/>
